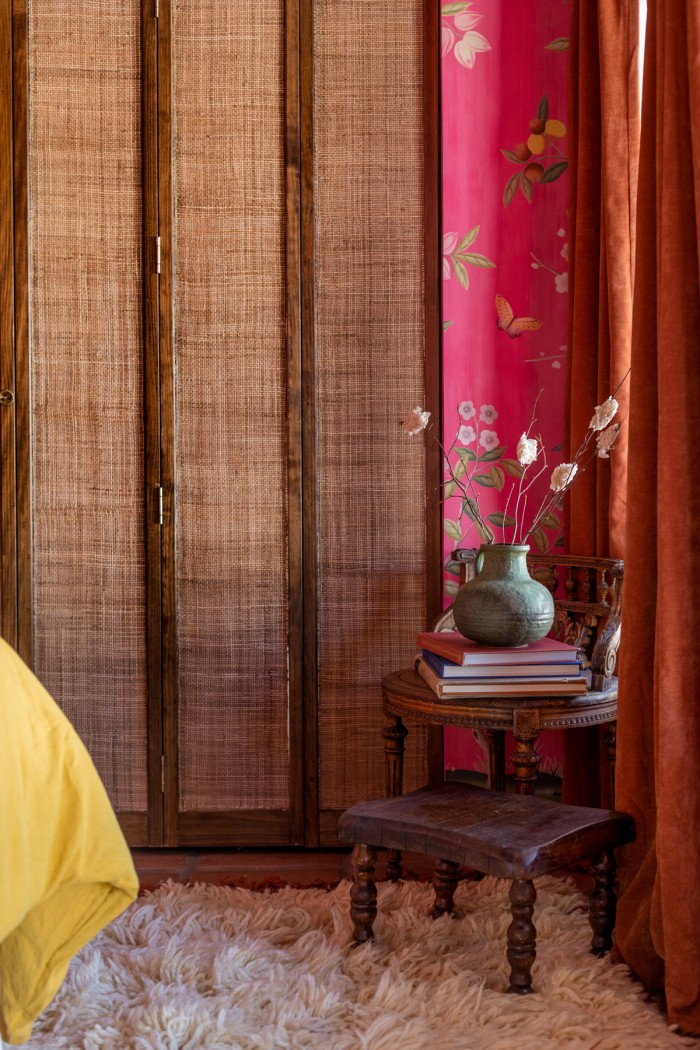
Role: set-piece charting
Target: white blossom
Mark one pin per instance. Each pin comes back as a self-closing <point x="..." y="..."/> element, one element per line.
<point x="562" y="476"/>
<point x="526" y="450"/>
<point x="415" y="421"/>
<point x="561" y="282"/>
<point x="488" y="439"/>
<point x="606" y="439"/>
<point x="488" y="414"/>
<point x="467" y="410"/>
<point x="466" y="435"/>
<point x="603" y="414"/>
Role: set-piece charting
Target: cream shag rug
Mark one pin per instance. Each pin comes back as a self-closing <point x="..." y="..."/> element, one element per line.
<point x="205" y="966"/>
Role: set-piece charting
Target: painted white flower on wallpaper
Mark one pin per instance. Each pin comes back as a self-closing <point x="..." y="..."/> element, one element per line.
<point x="455" y="251"/>
<point x="460" y="36"/>
<point x="561" y="277"/>
<point x="466" y="410"/>
<point x="465" y="435"/>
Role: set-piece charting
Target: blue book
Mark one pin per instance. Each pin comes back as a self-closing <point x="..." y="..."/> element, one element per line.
<point x="447" y="669"/>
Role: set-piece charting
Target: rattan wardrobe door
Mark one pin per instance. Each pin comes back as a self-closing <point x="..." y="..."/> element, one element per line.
<point x="230" y="421"/>
<point x="368" y="197"/>
<point x="86" y="351"/>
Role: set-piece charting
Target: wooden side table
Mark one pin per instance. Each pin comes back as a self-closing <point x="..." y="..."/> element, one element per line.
<point x="406" y="695"/>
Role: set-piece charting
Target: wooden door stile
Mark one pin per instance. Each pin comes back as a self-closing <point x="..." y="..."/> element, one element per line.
<point x="20" y="76"/>
<point x="295" y="461"/>
<point x="8" y="504"/>
<point x="308" y="380"/>
<point x="433" y="339"/>
<point x="152" y="282"/>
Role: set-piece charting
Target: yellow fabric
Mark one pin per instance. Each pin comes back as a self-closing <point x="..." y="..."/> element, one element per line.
<point x="65" y="869"/>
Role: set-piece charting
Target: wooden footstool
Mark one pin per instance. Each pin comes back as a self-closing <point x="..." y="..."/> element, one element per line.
<point x="513" y="837"/>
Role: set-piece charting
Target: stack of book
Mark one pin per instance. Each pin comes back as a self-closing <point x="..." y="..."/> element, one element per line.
<point x="454" y="666"/>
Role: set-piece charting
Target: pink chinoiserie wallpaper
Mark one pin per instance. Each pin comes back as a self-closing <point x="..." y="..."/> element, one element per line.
<point x="504" y="196"/>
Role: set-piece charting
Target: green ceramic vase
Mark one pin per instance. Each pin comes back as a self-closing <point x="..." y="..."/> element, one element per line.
<point x="503" y="605"/>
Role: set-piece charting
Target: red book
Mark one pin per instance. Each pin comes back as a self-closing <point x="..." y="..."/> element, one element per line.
<point x="460" y="650"/>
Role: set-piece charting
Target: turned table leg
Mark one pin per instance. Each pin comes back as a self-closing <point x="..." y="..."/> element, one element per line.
<point x="603" y="903"/>
<point x="526" y="761"/>
<point x="394" y="734"/>
<point x="445" y="881"/>
<point x="522" y="936"/>
<point x="363" y="893"/>
<point x="496" y="741"/>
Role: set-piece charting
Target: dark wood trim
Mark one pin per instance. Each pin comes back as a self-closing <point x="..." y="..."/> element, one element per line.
<point x="152" y="426"/>
<point x="169" y="639"/>
<point x="20" y="77"/>
<point x="432" y="175"/>
<point x="252" y="827"/>
<point x="8" y="498"/>
<point x="327" y="823"/>
<point x="294" y="423"/>
<point x="308" y="388"/>
<point x="134" y="828"/>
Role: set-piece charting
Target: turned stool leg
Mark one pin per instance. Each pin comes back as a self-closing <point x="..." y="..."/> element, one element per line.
<point x="603" y="903"/>
<point x="522" y="936"/>
<point x="445" y="880"/>
<point x="394" y="734"/>
<point x="363" y="893"/>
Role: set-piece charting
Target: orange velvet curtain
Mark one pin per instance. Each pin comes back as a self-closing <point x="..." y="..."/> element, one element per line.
<point x="658" y="926"/>
<point x="604" y="132"/>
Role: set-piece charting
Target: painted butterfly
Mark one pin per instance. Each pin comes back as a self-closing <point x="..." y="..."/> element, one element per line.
<point x="510" y="324"/>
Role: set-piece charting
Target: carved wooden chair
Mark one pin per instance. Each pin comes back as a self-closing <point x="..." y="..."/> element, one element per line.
<point x="587" y="595"/>
<point x="511" y="836"/>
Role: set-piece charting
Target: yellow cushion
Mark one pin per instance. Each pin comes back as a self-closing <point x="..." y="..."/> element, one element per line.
<point x="65" y="869"/>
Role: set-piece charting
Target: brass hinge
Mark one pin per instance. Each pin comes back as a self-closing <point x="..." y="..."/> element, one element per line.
<point x="162" y="774"/>
<point x="157" y="254"/>
<point x="160" y="505"/>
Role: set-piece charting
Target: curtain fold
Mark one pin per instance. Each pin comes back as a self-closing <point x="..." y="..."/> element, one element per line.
<point x="659" y="716"/>
<point x="603" y="115"/>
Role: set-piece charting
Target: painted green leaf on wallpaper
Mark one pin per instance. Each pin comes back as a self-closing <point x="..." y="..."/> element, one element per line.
<point x="451" y="587"/>
<point x="454" y="9"/>
<point x="474" y="259"/>
<point x="449" y="489"/>
<point x="467" y="240"/>
<point x="539" y="540"/>
<point x="467" y="508"/>
<point x="512" y="467"/>
<point x="452" y="567"/>
<point x="526" y="187"/>
<point x="459" y="469"/>
<point x="453" y="530"/>
<point x="461" y="272"/>
<point x="494" y="453"/>
<point x="511" y="188"/>
<point x="501" y="520"/>
<point x="543" y="108"/>
<point x="466" y="454"/>
<point x="509" y="155"/>
<point x="551" y="522"/>
<point x="553" y="172"/>
<point x="485" y="480"/>
<point x="446" y="325"/>
<point x="497" y="476"/>
<point x="560" y="44"/>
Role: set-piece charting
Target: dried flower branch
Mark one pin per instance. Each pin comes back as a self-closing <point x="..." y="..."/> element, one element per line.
<point x="467" y="471"/>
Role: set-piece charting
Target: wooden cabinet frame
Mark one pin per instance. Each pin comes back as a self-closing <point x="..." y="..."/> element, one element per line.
<point x="302" y="824"/>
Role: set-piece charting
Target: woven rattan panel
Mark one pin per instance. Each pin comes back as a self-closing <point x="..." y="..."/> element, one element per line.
<point x="86" y="373"/>
<point x="230" y="404"/>
<point x="369" y="298"/>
